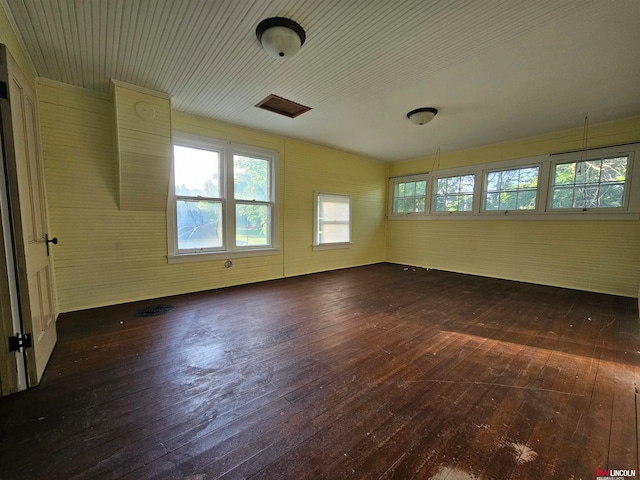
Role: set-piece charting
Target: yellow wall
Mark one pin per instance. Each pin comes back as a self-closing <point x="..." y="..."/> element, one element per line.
<point x="600" y="256"/>
<point x="107" y="256"/>
<point x="312" y="168"/>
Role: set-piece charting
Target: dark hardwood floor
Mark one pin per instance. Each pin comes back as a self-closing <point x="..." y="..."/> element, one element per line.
<point x="370" y="372"/>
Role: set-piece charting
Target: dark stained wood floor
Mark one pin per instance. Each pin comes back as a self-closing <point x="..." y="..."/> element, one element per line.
<point x="370" y="372"/>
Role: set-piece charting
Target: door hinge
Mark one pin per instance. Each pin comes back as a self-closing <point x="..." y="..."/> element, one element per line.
<point x="19" y="342"/>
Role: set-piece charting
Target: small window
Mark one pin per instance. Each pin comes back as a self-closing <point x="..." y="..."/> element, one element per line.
<point x="513" y="189"/>
<point x="454" y="194"/>
<point x="410" y="197"/>
<point x="333" y="219"/>
<point x="595" y="183"/>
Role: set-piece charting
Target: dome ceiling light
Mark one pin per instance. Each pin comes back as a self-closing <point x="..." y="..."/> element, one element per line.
<point x="420" y="116"/>
<point x="280" y="37"/>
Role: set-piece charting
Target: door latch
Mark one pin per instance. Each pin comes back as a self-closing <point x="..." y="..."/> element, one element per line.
<point x="54" y="240"/>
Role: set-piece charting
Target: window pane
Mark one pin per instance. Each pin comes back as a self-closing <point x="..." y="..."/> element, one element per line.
<point x="421" y="187"/>
<point x="252" y="224"/>
<point x="528" y="178"/>
<point x="250" y="178"/>
<point x="510" y="179"/>
<point x="441" y="185"/>
<point x="440" y="205"/>
<point x="199" y="224"/>
<point x="562" y="197"/>
<point x="410" y="189"/>
<point x="592" y="172"/>
<point x="453" y="185"/>
<point x="611" y="196"/>
<point x="614" y="169"/>
<point x="466" y="203"/>
<point x="492" y="201"/>
<point x="597" y="183"/>
<point x="452" y="203"/>
<point x="493" y="181"/>
<point x="508" y="200"/>
<point x="565" y="174"/>
<point x="334" y="233"/>
<point x="196" y="172"/>
<point x="466" y="183"/>
<point x="333" y="218"/>
<point x="526" y="200"/>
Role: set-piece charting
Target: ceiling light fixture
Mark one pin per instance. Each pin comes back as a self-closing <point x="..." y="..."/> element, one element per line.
<point x="280" y="37"/>
<point x="420" y="116"/>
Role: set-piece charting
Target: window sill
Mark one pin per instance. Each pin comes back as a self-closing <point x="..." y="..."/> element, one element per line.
<point x="331" y="246"/>
<point x="209" y="256"/>
<point x="589" y="215"/>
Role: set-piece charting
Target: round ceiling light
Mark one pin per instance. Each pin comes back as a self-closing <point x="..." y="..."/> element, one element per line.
<point x="280" y="37"/>
<point x="420" y="116"/>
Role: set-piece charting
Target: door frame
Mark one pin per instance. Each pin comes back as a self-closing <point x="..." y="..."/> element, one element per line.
<point x="13" y="374"/>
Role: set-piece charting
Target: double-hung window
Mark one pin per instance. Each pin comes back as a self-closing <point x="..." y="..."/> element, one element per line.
<point x="222" y="198"/>
<point x="590" y="184"/>
<point x="332" y="225"/>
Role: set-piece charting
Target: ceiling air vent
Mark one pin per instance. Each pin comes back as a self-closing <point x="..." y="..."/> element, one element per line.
<point x="280" y="105"/>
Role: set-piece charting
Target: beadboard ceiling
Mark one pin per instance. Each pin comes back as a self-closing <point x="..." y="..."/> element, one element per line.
<point x="496" y="69"/>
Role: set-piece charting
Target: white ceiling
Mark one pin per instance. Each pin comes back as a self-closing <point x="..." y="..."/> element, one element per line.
<point x="496" y="69"/>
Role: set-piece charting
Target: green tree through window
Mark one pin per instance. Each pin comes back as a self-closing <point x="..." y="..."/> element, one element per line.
<point x="598" y="183"/>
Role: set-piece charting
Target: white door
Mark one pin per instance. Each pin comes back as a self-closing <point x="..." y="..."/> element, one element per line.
<point x="25" y="177"/>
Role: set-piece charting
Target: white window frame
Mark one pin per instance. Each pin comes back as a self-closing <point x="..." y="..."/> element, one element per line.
<point x="229" y="249"/>
<point x="540" y="190"/>
<point x="474" y="193"/>
<point x="316" y="223"/>
<point x="404" y="179"/>
<point x="629" y="202"/>
<point x="546" y="163"/>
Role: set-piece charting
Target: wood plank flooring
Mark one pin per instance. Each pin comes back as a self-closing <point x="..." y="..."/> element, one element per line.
<point x="381" y="372"/>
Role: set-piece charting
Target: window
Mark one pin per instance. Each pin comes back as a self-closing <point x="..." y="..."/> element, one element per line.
<point x="595" y="183"/>
<point x="601" y="183"/>
<point x="221" y="199"/>
<point x="251" y="191"/>
<point x="410" y="196"/>
<point x="333" y="219"/>
<point x="513" y="189"/>
<point x="198" y="198"/>
<point x="454" y="194"/>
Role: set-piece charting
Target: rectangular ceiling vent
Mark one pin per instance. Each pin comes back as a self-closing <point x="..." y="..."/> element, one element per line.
<point x="280" y="105"/>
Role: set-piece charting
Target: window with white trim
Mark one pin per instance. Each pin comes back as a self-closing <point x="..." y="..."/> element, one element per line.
<point x="511" y="189"/>
<point x="601" y="183"/>
<point x="332" y="225"/>
<point x="594" y="183"/>
<point x="410" y="195"/>
<point x="454" y="194"/>
<point x="222" y="198"/>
